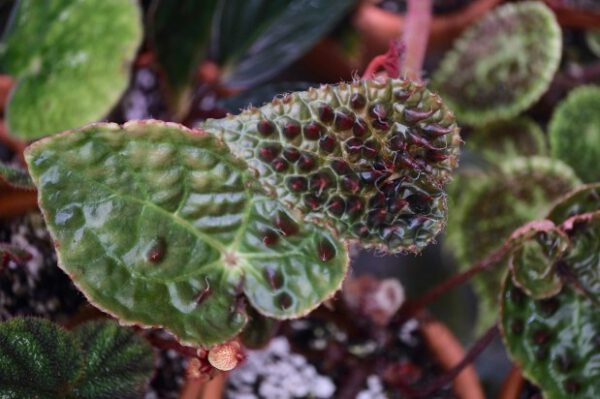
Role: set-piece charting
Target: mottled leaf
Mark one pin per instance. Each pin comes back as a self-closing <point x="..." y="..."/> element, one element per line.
<point x="70" y="60"/>
<point x="37" y="360"/>
<point x="554" y="341"/>
<point x="161" y="226"/>
<point x="118" y="363"/>
<point x="575" y="132"/>
<point x="368" y="158"/>
<point x="501" y="65"/>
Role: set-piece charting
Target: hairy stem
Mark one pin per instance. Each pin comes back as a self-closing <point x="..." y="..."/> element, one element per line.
<point x="416" y="35"/>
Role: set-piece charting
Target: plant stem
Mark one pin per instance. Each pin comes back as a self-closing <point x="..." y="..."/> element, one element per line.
<point x="449" y="376"/>
<point x="413" y="307"/>
<point x="416" y="35"/>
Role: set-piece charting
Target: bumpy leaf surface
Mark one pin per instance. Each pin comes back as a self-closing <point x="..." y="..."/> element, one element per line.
<point x="554" y="340"/>
<point x="501" y="65"/>
<point x="575" y="132"/>
<point x="118" y="363"/>
<point x="71" y="62"/>
<point x="368" y="158"/>
<point x="37" y="360"/>
<point x="492" y="206"/>
<point x="161" y="226"/>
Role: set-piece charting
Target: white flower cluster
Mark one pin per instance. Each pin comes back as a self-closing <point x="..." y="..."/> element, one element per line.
<point x="276" y="373"/>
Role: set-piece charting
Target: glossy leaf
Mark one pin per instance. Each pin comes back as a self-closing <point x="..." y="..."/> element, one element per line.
<point x="501" y="65"/>
<point x="554" y="341"/>
<point x="70" y="60"/>
<point x="161" y="226"/>
<point x="254" y="40"/>
<point x="368" y="158"/>
<point x="15" y="177"/>
<point x="575" y="132"/>
<point x="37" y="360"/>
<point x="118" y="363"/>
<point x="180" y="34"/>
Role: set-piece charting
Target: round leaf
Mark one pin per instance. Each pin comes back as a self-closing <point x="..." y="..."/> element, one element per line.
<point x="161" y="226"/>
<point x="501" y="65"/>
<point x="70" y="60"/>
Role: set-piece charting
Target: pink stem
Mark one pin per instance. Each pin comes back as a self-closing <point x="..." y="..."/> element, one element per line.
<point x="416" y="35"/>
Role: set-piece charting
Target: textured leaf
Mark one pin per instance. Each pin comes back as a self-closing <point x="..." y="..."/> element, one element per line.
<point x="555" y="341"/>
<point x="503" y="64"/>
<point x="15" y="177"/>
<point x="515" y="137"/>
<point x="575" y="132"/>
<point x="70" y="59"/>
<point x="181" y="32"/>
<point x="368" y="158"/>
<point x="495" y="204"/>
<point x="259" y="331"/>
<point x="533" y="262"/>
<point x="118" y="363"/>
<point x="254" y="40"/>
<point x="161" y="226"/>
<point x="37" y="360"/>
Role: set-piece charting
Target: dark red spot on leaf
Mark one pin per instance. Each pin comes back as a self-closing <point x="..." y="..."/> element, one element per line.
<point x="265" y="127"/>
<point x="326" y="250"/>
<point x="284" y="300"/>
<point x="280" y="164"/>
<point x="340" y="167"/>
<point x="312" y="131"/>
<point x="291" y="130"/>
<point x="370" y="149"/>
<point x="354" y="145"/>
<point x="291" y="154"/>
<point x="157" y="251"/>
<point x="350" y="184"/>
<point x="307" y="162"/>
<point x="359" y="128"/>
<point x="297" y="183"/>
<point x="285" y="224"/>
<point x="358" y="101"/>
<point x="270" y="238"/>
<point x="327" y="143"/>
<point x="325" y="113"/>
<point x="336" y="206"/>
<point x="269" y="152"/>
<point x="343" y="121"/>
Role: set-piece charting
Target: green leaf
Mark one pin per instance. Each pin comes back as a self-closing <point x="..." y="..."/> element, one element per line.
<point x="70" y="60"/>
<point x="554" y="341"/>
<point x="254" y="40"/>
<point x="180" y="33"/>
<point x="575" y="132"/>
<point x="493" y="205"/>
<point x="533" y="262"/>
<point x="118" y="363"/>
<point x="501" y="65"/>
<point x="367" y="158"/>
<point x="161" y="226"/>
<point x="37" y="360"/>
<point x="259" y="331"/>
<point x="15" y="177"/>
<point x="499" y="140"/>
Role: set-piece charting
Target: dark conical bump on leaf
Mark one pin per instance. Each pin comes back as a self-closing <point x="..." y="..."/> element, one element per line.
<point x="502" y="64"/>
<point x="37" y="360"/>
<point x="488" y="207"/>
<point x="118" y="363"/>
<point x="50" y="48"/>
<point x="98" y="360"/>
<point x="575" y="132"/>
<point x="372" y="158"/>
<point x="161" y="226"/>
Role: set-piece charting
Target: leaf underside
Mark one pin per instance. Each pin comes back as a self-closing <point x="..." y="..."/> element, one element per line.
<point x="161" y="226"/>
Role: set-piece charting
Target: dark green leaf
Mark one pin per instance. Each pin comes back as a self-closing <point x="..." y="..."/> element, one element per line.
<point x="16" y="177"/>
<point x="37" y="360"/>
<point x="118" y="363"/>
<point x="254" y="40"/>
